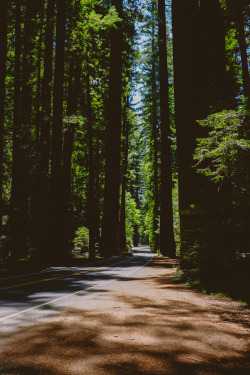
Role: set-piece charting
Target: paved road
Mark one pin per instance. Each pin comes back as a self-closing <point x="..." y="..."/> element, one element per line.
<point x="29" y="297"/>
<point x="119" y="318"/>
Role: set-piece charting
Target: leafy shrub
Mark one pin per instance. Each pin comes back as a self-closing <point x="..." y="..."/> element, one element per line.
<point x="81" y="242"/>
<point x="132" y="218"/>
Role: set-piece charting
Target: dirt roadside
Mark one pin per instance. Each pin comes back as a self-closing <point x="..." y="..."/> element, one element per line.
<point x="145" y="324"/>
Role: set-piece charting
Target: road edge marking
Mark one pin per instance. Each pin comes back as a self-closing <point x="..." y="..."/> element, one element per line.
<point x="71" y="294"/>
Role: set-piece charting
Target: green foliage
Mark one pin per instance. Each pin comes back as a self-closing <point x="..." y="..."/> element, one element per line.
<point x="81" y="241"/>
<point x="132" y="218"/>
<point x="221" y="154"/>
<point x="224" y="157"/>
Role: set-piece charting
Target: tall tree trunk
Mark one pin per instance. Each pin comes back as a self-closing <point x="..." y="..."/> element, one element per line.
<point x="125" y="132"/>
<point x="91" y="170"/>
<point x="240" y="27"/>
<point x="167" y="243"/>
<point x="68" y="147"/>
<point x="42" y="188"/>
<point x="216" y="88"/>
<point x="3" y="56"/>
<point x="57" y="243"/>
<point x="18" y="243"/>
<point x="186" y="76"/>
<point x="136" y="227"/>
<point x="97" y="163"/>
<point x="212" y="43"/>
<point x="110" y="224"/>
<point x="200" y="84"/>
<point x="22" y="145"/>
<point x="38" y="85"/>
<point x="156" y="239"/>
<point x="47" y="91"/>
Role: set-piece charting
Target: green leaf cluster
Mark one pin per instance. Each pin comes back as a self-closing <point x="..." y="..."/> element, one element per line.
<point x="222" y="153"/>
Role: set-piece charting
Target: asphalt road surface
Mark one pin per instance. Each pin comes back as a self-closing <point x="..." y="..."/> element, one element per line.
<point x="117" y="317"/>
<point x="30" y="297"/>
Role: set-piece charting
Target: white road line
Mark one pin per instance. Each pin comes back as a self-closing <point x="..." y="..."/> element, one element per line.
<point x="69" y="295"/>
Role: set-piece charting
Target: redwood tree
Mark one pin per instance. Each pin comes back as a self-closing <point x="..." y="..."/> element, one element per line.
<point x="42" y="188"/>
<point x="3" y="57"/>
<point x="167" y="243"/>
<point x="57" y="244"/>
<point x="110" y="223"/>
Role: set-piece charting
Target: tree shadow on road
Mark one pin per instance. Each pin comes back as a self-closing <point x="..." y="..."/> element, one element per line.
<point x="161" y="328"/>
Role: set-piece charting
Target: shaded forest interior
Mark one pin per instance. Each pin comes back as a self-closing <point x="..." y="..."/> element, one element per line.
<point x="127" y="122"/>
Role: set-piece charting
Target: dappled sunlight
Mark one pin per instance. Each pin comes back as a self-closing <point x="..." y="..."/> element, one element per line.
<point x="143" y="331"/>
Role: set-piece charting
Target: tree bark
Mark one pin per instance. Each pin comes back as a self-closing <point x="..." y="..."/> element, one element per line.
<point x="200" y="84"/>
<point x="47" y="92"/>
<point x="23" y="119"/>
<point x="57" y="244"/>
<point x="110" y="224"/>
<point x="67" y="220"/>
<point x="187" y="104"/>
<point x="38" y="86"/>
<point x="3" y="57"/>
<point x="212" y="43"/>
<point x="91" y="170"/>
<point x="41" y="215"/>
<point x="240" y="27"/>
<point x="156" y="243"/>
<point x="167" y="243"/>
<point x="18" y="218"/>
<point x="122" y="231"/>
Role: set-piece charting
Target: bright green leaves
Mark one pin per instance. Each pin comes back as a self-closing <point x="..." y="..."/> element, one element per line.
<point x="221" y="153"/>
<point x="132" y="218"/>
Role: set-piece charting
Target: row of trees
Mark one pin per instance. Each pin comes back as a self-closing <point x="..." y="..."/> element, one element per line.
<point x="68" y="128"/>
<point x="210" y="127"/>
<point x="66" y="72"/>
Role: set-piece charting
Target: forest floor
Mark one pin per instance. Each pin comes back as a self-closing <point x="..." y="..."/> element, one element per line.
<point x="145" y="324"/>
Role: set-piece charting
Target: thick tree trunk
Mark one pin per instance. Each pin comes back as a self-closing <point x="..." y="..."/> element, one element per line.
<point x="125" y="132"/>
<point x="68" y="147"/>
<point x="16" y="236"/>
<point x="57" y="243"/>
<point x="200" y="84"/>
<point x="167" y="243"/>
<point x="66" y="230"/>
<point x="156" y="240"/>
<point x="240" y="27"/>
<point x="110" y="224"/>
<point x="42" y="188"/>
<point x="212" y="43"/>
<point x="91" y="182"/>
<point x="216" y="88"/>
<point x="97" y="163"/>
<point x="38" y="86"/>
<point x="47" y="91"/>
<point x="187" y="104"/>
<point x="3" y="56"/>
<point x="22" y="130"/>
